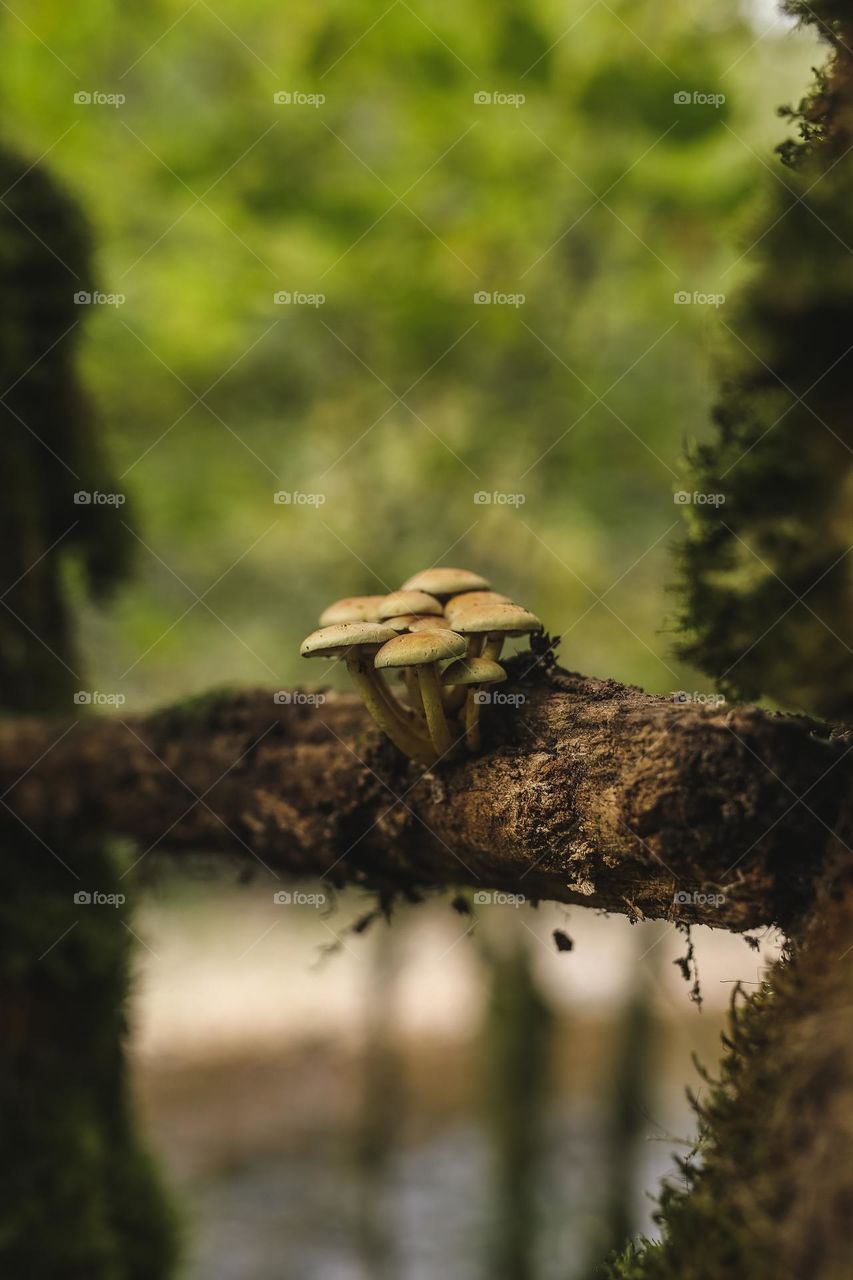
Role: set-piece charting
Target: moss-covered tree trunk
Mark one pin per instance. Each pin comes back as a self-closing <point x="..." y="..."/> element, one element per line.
<point x="768" y="604"/>
<point x="78" y="1197"/>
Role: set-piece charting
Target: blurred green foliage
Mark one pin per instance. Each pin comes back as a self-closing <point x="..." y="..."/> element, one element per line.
<point x="399" y="198"/>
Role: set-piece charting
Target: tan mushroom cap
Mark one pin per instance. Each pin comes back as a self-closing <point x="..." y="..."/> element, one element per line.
<point x="400" y="602"/>
<point x="415" y="648"/>
<point x="445" y="582"/>
<point x="331" y="642"/>
<point x="474" y="671"/>
<point x="418" y="622"/>
<point x="475" y="599"/>
<point x="351" y="609"/>
<point x="508" y="618"/>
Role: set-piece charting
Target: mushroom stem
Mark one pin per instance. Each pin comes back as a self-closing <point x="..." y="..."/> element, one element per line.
<point x="473" y="739"/>
<point x="492" y="647"/>
<point x="413" y="691"/>
<point x="398" y="709"/>
<point x="376" y="700"/>
<point x="454" y="695"/>
<point x="433" y="708"/>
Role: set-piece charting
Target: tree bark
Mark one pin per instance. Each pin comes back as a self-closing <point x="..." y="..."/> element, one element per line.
<point x="587" y="792"/>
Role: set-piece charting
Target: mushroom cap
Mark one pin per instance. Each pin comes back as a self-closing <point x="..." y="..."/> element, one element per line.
<point x="351" y="609"/>
<point x="331" y="642"/>
<point x="400" y="602"/>
<point x="445" y="582"/>
<point x="475" y="599"/>
<point x="508" y="618"/>
<point x="418" y="622"/>
<point x="416" y="648"/>
<point x="473" y="671"/>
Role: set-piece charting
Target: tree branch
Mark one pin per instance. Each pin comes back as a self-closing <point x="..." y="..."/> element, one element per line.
<point x="587" y="792"/>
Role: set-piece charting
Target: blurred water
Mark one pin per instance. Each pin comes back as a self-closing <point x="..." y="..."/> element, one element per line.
<point x="299" y="1217"/>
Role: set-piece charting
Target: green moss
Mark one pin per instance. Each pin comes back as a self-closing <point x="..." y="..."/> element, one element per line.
<point x="765" y="591"/>
<point x="197" y="711"/>
<point x="79" y="1198"/>
<point x="758" y="1198"/>
<point x="78" y="1194"/>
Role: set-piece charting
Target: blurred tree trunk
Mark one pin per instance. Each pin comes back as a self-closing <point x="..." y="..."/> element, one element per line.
<point x="380" y="1115"/>
<point x="628" y="1104"/>
<point x="78" y="1197"/>
<point x="768" y="596"/>
<point x="516" y="1046"/>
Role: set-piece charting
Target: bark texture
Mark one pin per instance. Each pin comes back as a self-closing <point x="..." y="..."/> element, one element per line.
<point x="587" y="791"/>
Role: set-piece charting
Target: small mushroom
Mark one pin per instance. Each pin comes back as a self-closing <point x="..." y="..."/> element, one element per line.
<point x="474" y="673"/>
<point x="472" y="599"/>
<point x="458" y="605"/>
<point x="351" y="609"/>
<point x="424" y="650"/>
<point x="495" y="622"/>
<point x="356" y="643"/>
<point x="445" y="582"/>
<point x="400" y="602"/>
<point x="416" y="622"/>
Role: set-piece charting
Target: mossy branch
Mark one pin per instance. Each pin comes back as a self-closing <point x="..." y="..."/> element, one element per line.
<point x="587" y="792"/>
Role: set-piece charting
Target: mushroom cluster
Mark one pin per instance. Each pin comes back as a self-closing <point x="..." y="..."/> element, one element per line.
<point x="442" y="633"/>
